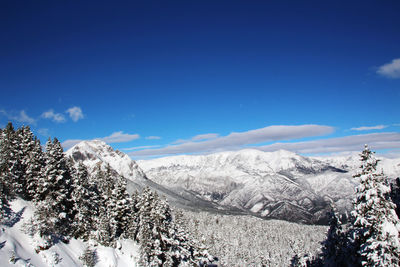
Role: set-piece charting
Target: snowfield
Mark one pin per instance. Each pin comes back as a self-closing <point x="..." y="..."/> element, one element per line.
<point x="18" y="248"/>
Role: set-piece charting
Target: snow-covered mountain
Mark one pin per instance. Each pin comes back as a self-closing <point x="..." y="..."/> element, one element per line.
<point x="96" y="153"/>
<point x="278" y="184"/>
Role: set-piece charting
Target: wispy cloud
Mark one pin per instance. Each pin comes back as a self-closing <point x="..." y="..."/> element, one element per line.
<point x="50" y="114"/>
<point x="367" y="128"/>
<point x="116" y="137"/>
<point x="200" y="137"/>
<point x="21" y="117"/>
<point x="236" y="140"/>
<point x="75" y="113"/>
<point x="153" y="138"/>
<point x="139" y="147"/>
<point x="67" y="144"/>
<point x="119" y="137"/>
<point x="390" y="70"/>
<point x="340" y="144"/>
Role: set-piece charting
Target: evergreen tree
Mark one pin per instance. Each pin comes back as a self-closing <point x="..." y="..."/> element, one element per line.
<point x="334" y="247"/>
<point x="376" y="223"/>
<point x="16" y="165"/>
<point x="86" y="205"/>
<point x="395" y="194"/>
<point x="4" y="182"/>
<point x="34" y="171"/>
<point x="162" y="242"/>
<point x="119" y="206"/>
<point x="10" y="162"/>
<point x="54" y="211"/>
<point x="33" y="162"/>
<point x="133" y="218"/>
<point x="106" y="225"/>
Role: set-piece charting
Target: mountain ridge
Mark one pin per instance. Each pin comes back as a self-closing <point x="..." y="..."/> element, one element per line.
<point x="270" y="185"/>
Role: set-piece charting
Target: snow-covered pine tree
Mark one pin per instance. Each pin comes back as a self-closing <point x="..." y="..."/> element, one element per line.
<point x="120" y="206"/>
<point x="54" y="210"/>
<point x="162" y="242"/>
<point x="34" y="171"/>
<point x="183" y="248"/>
<point x="395" y="194"/>
<point x="86" y="204"/>
<point x="133" y="219"/>
<point x="10" y="162"/>
<point x="144" y="236"/>
<point x="33" y="162"/>
<point x="334" y="247"/>
<point x="4" y="193"/>
<point x="17" y="167"/>
<point x="42" y="186"/>
<point x="376" y="223"/>
<point x="106" y="227"/>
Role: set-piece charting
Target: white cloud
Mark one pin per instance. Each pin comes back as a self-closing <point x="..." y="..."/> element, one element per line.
<point x="21" y="117"/>
<point x="204" y="137"/>
<point x="390" y="70"/>
<point x="237" y="140"/>
<point x="50" y="114"/>
<point x="341" y="144"/>
<point x="139" y="147"/>
<point x="200" y="137"/>
<point x="153" y="138"/>
<point x="67" y="144"/>
<point x="367" y="128"/>
<point x="117" y="137"/>
<point x="75" y="113"/>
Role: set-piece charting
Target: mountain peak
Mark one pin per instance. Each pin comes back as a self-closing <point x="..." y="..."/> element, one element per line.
<point x="94" y="152"/>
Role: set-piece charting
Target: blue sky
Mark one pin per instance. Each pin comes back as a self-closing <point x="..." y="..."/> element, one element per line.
<point x="156" y="78"/>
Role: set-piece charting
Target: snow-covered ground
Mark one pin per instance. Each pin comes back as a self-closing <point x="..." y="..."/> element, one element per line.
<point x="18" y="248"/>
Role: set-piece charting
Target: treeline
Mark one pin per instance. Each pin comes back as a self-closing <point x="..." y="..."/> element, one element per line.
<point x="371" y="238"/>
<point x="71" y="203"/>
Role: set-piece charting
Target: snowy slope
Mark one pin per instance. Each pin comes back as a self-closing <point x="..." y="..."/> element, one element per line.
<point x="16" y="244"/>
<point x="95" y="152"/>
<point x="278" y="184"/>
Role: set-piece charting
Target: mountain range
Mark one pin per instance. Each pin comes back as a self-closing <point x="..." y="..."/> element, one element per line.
<point x="272" y="185"/>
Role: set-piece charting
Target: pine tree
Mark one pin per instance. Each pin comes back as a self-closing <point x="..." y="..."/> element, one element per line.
<point x="395" y="194"/>
<point x="334" y="247"/>
<point x="106" y="225"/>
<point x="376" y="223"/>
<point x="85" y="198"/>
<point x="133" y="218"/>
<point x="33" y="162"/>
<point x="119" y="205"/>
<point x="10" y="162"/>
<point x="4" y="182"/>
<point x="54" y="211"/>
<point x="145" y="229"/>
<point x="162" y="242"/>
<point x="17" y="167"/>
